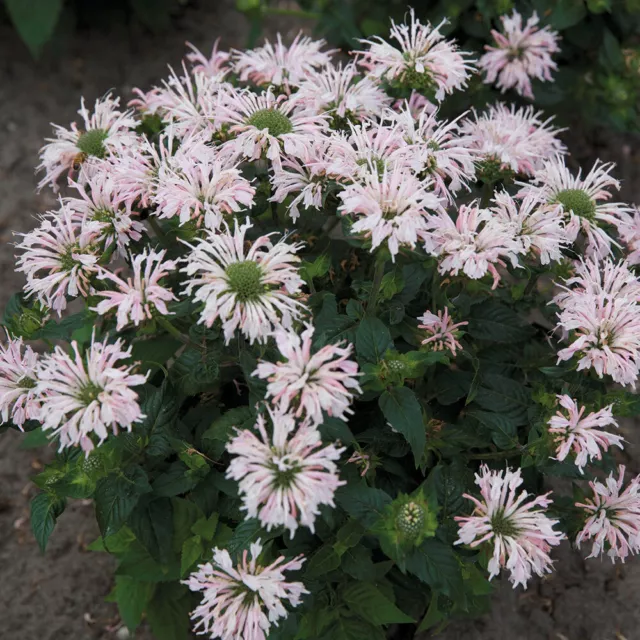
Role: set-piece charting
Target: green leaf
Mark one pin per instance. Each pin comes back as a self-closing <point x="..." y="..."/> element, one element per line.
<point x="436" y="564"/>
<point x="506" y="396"/>
<point x="373" y="340"/>
<point x="348" y="536"/>
<point x="174" y="481"/>
<point x="191" y="552"/>
<point x="362" y="502"/>
<point x="333" y="429"/>
<point x="64" y="329"/>
<point x="403" y="412"/>
<point x="323" y="561"/>
<point x="452" y="385"/>
<point x="495" y="322"/>
<point x="34" y="20"/>
<point x="168" y="612"/>
<point x="206" y="527"/>
<point x="132" y="597"/>
<point x="351" y="627"/>
<point x="45" y="509"/>
<point x="154" y="352"/>
<point x="316" y="269"/>
<point x="137" y="563"/>
<point x="216" y="436"/>
<point x="194" y="371"/>
<point x="566" y="13"/>
<point x="357" y="563"/>
<point x="117" y="495"/>
<point x="504" y="431"/>
<point x="330" y="326"/>
<point x="245" y="533"/>
<point x="152" y="523"/>
<point x="35" y="439"/>
<point x="185" y="515"/>
<point x="365" y="600"/>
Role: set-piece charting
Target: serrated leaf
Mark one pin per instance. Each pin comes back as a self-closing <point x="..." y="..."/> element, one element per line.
<point x="152" y="523"/>
<point x="194" y="371"/>
<point x="330" y="326"/>
<point x="403" y="412"/>
<point x="348" y="536"/>
<point x="206" y="527"/>
<point x="362" y="502"/>
<point x="504" y="395"/>
<point x="168" y="612"/>
<point x="216" y="436"/>
<point x="495" y="322"/>
<point x="191" y="551"/>
<point x="436" y="564"/>
<point x="45" y="509"/>
<point x="34" y="20"/>
<point x="173" y="482"/>
<point x="117" y="495"/>
<point x="323" y="561"/>
<point x="245" y="533"/>
<point x="504" y="431"/>
<point x="373" y="339"/>
<point x="365" y="600"/>
<point x="357" y="563"/>
<point x="132" y="597"/>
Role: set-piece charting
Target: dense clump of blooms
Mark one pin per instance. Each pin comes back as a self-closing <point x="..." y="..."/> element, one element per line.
<point x="319" y="307"/>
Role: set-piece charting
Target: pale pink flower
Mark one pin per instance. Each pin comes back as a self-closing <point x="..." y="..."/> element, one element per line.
<point x="521" y="53"/>
<point x="445" y="155"/>
<point x="19" y="400"/>
<point x="583" y="436"/>
<point x="605" y="335"/>
<point x="284" y="476"/>
<point x="201" y="188"/>
<point x="102" y="202"/>
<point x="629" y="231"/>
<point x="425" y="60"/>
<point x="584" y="201"/>
<point x="59" y="258"/>
<point x="254" y="290"/>
<point x="538" y="229"/>
<point x="476" y="243"/>
<point x="266" y="125"/>
<point x="339" y="92"/>
<point x="613" y="517"/>
<point x="215" y="66"/>
<point x="391" y="207"/>
<point x="305" y="178"/>
<point x="603" y="279"/>
<point x="309" y="383"/>
<point x="279" y="65"/>
<point x="361" y="459"/>
<point x="516" y="139"/>
<point x="138" y="298"/>
<point x="242" y="602"/>
<point x="415" y="104"/>
<point x="106" y="131"/>
<point x="369" y="147"/>
<point x="514" y="523"/>
<point x="442" y="331"/>
<point x="85" y="395"/>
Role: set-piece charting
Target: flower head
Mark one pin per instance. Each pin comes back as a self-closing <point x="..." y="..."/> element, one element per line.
<point x="60" y="257"/>
<point x="279" y="65"/>
<point x="83" y="396"/>
<point x="613" y="517"/>
<point x="585" y="201"/>
<point x="339" y="92"/>
<point x="392" y="206"/>
<point x="425" y="60"/>
<point x="520" y="53"/>
<point x="19" y="400"/>
<point x="475" y="243"/>
<point x="215" y="66"/>
<point x="513" y="522"/>
<point x="199" y="187"/>
<point x="248" y="289"/>
<point x="512" y="139"/>
<point x="284" y="476"/>
<point x="538" y="229"/>
<point x="138" y="298"/>
<point x="266" y="124"/>
<point x="310" y="383"/>
<point x="441" y="331"/>
<point x="242" y="602"/>
<point x="105" y="131"/>
<point x="582" y="435"/>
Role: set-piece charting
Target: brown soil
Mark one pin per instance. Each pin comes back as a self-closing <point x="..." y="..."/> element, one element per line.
<point x="60" y="596"/>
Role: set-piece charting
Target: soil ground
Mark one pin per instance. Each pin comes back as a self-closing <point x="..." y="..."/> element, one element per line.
<point x="60" y="596"/>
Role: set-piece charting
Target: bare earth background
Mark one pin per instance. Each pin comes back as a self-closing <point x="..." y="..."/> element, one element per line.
<point x="60" y="596"/>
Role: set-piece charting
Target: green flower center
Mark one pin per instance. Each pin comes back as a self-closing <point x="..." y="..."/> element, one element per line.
<point x="421" y="82"/>
<point x="274" y="121"/>
<point x="103" y="215"/>
<point x="410" y="519"/>
<point x="91" y="143"/>
<point x="26" y="383"/>
<point x="67" y="261"/>
<point x="577" y="201"/>
<point x="284" y="470"/>
<point x="378" y="164"/>
<point x="245" y="280"/>
<point x="89" y="393"/>
<point x="395" y="365"/>
<point x="503" y="526"/>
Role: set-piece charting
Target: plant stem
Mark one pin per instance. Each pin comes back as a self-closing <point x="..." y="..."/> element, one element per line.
<point x="487" y="192"/>
<point x="375" y="287"/>
<point x="171" y="330"/>
<point x="157" y="229"/>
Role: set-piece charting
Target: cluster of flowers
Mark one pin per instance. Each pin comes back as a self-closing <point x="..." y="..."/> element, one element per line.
<point x="314" y="129"/>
